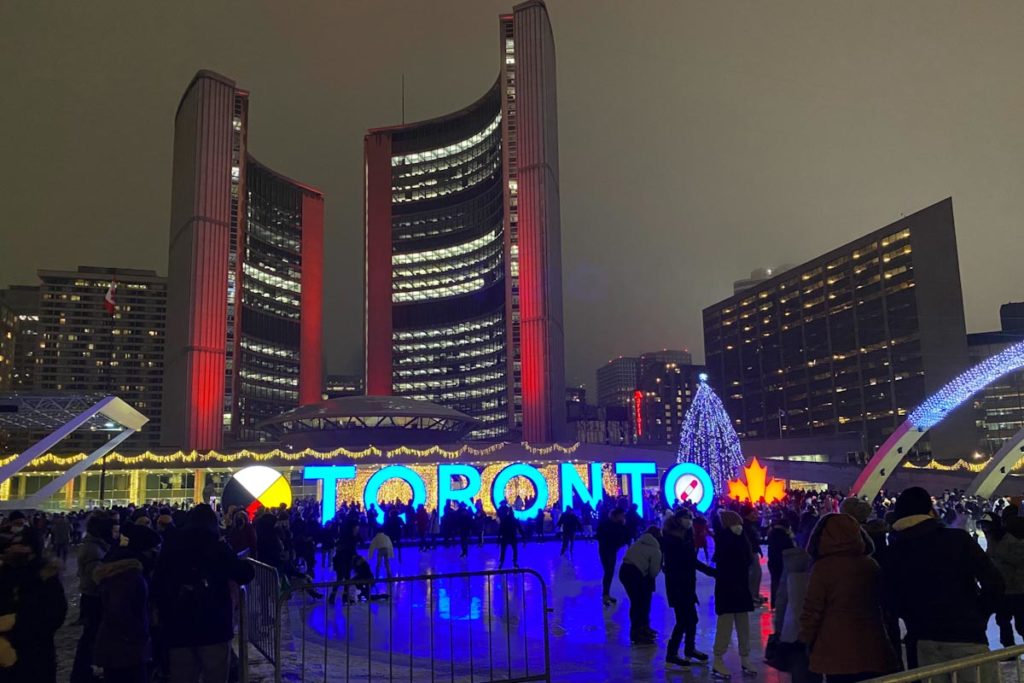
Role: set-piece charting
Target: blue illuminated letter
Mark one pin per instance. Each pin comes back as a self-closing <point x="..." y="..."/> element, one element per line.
<point x="570" y="483"/>
<point x="700" y="490"/>
<point x="636" y="471"/>
<point x="445" y="492"/>
<point x="521" y="470"/>
<point x="385" y="474"/>
<point x="330" y="474"/>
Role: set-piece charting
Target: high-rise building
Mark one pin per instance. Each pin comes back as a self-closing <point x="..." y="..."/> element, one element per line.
<point x="617" y="380"/>
<point x="84" y="349"/>
<point x="8" y="330"/>
<point x="663" y="357"/>
<point x="245" y="275"/>
<point x="1000" y="405"/>
<point x="663" y="396"/>
<point x="23" y="301"/>
<point x="850" y="341"/>
<point x="463" y="253"/>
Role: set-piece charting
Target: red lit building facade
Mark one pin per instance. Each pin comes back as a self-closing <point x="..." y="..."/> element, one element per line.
<point x="463" y="249"/>
<point x="245" y="279"/>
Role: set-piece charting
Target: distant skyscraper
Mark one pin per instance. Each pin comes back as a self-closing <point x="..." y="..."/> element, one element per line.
<point x="8" y="330"/>
<point x="1000" y="405"/>
<point x="617" y="380"/>
<point x="245" y="276"/>
<point x="463" y="251"/>
<point x="664" y="394"/>
<point x="663" y="357"/>
<point x="83" y="349"/>
<point x="23" y="301"/>
<point x="850" y="341"/>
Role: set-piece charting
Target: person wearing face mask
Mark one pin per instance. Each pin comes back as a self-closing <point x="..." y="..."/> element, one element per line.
<point x="640" y="568"/>
<point x="32" y="608"/>
<point x="733" y="602"/>
<point x="681" y="566"/>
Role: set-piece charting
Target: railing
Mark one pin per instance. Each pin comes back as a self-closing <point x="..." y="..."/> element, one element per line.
<point x="982" y="667"/>
<point x="468" y="627"/>
<point x="260" y="616"/>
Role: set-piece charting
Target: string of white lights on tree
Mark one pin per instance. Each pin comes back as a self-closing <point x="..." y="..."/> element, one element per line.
<point x="708" y="439"/>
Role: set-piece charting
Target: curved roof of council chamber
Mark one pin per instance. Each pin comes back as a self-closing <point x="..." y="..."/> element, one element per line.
<point x="363" y="420"/>
<point x="449" y="123"/>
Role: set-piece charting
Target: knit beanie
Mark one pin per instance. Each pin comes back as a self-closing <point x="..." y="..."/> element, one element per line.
<point x="857" y="508"/>
<point x="729" y="518"/>
<point x="913" y="501"/>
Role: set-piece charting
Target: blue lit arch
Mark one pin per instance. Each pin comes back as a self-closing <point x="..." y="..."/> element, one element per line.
<point x="932" y="411"/>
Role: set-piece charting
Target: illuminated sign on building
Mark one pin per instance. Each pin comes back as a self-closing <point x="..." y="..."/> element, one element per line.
<point x="526" y="487"/>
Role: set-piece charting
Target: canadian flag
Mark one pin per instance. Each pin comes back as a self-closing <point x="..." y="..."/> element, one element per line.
<point x="108" y="301"/>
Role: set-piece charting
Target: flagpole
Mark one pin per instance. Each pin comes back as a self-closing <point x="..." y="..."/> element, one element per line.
<point x="103" y="462"/>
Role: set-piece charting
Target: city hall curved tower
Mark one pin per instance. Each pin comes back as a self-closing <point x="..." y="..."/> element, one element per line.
<point x="245" y="279"/>
<point x="463" y="249"/>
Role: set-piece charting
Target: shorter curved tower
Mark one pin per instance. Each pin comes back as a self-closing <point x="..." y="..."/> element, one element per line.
<point x="245" y="278"/>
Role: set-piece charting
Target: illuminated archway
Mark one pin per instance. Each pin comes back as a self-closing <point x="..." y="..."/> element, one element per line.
<point x="934" y="409"/>
<point x="989" y="479"/>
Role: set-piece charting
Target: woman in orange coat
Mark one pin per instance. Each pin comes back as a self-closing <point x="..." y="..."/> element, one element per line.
<point x="842" y="621"/>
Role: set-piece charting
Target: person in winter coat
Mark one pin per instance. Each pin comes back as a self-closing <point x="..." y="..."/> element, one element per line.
<point x="345" y="552"/>
<point x="242" y="535"/>
<point x="99" y="536"/>
<point x="382" y="547"/>
<point x="612" y="534"/>
<point x="423" y="526"/>
<point x="842" y="621"/>
<point x="780" y="539"/>
<point x="752" y="529"/>
<point x="123" y="646"/>
<point x="941" y="583"/>
<point x="32" y="608"/>
<point x="700" y="536"/>
<point x="681" y="566"/>
<point x="640" y="568"/>
<point x="792" y="591"/>
<point x="1008" y="557"/>
<point x="191" y="589"/>
<point x="733" y="601"/>
<point x="570" y="525"/>
<point x="510" y="530"/>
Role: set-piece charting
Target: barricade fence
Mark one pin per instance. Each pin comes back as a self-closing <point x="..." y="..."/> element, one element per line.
<point x="258" y="613"/>
<point x="980" y="668"/>
<point x="466" y="627"/>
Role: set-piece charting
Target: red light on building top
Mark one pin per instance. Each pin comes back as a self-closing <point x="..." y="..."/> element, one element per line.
<point x="638" y="402"/>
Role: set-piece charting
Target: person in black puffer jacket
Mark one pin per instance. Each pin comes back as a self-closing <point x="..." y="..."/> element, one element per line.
<point x="733" y="601"/>
<point x="940" y="582"/>
<point x="680" y="568"/>
<point x="191" y="586"/>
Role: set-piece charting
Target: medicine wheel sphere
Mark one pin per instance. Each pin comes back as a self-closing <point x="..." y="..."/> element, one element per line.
<point x="257" y="487"/>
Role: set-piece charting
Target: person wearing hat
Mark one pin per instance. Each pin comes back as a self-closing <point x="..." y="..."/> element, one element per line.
<point x="733" y="601"/>
<point x="123" y="645"/>
<point x="941" y="583"/>
<point x="32" y="606"/>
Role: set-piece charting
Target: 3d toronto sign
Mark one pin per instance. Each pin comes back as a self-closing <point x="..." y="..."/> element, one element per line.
<point x="682" y="483"/>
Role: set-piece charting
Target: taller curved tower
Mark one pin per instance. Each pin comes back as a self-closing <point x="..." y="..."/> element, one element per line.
<point x="463" y="249"/>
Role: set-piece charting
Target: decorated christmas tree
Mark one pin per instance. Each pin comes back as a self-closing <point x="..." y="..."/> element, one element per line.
<point x="708" y="439"/>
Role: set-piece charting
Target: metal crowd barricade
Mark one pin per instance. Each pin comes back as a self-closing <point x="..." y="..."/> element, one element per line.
<point x="259" y="618"/>
<point x="963" y="670"/>
<point x="466" y="627"/>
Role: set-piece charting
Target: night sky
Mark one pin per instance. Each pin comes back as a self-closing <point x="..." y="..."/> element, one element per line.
<point x="698" y="140"/>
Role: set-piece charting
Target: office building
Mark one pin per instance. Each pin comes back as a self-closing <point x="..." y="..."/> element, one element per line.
<point x="617" y="380"/>
<point x="245" y="273"/>
<point x="850" y="341"/>
<point x="664" y="394"/>
<point x="8" y="329"/>
<point x="999" y="407"/>
<point x="23" y="301"/>
<point x="463" y="254"/>
<point x="665" y="356"/>
<point x="84" y="349"/>
<point x="339" y="386"/>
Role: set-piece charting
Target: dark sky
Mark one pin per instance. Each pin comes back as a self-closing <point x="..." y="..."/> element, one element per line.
<point x="699" y="140"/>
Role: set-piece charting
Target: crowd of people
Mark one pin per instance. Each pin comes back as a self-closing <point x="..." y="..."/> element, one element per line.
<point x="157" y="583"/>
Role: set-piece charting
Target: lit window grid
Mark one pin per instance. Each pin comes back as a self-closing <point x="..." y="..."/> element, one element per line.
<point x="449" y="150"/>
